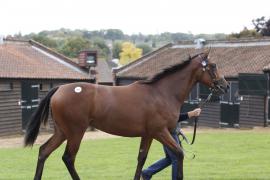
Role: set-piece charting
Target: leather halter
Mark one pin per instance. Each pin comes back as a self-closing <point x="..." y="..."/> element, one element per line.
<point x="211" y="69"/>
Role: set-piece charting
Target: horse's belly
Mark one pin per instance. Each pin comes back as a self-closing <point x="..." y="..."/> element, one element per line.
<point x="119" y="129"/>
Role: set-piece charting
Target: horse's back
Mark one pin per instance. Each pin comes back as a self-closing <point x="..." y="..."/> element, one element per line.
<point x="73" y="91"/>
<point x="84" y="101"/>
<point x="70" y="104"/>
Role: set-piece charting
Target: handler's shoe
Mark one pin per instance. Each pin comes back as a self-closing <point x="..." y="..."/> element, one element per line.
<point x="144" y="177"/>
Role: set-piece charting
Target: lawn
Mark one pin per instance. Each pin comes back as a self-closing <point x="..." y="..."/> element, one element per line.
<point x="228" y="155"/>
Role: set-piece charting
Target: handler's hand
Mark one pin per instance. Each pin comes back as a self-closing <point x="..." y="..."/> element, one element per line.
<point x="196" y="112"/>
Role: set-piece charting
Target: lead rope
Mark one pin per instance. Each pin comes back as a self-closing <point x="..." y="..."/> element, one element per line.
<point x="201" y="105"/>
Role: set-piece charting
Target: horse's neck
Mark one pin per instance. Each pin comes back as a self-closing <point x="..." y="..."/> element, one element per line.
<point x="179" y="84"/>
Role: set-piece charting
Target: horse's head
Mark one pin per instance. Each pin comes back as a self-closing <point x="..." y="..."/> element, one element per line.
<point x="209" y="75"/>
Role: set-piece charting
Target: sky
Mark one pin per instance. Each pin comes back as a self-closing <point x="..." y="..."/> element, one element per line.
<point x="132" y="17"/>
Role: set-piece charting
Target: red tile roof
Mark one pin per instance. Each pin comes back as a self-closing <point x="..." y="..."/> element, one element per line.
<point x="29" y="59"/>
<point x="232" y="57"/>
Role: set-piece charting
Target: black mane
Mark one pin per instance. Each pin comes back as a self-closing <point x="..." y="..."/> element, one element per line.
<point x="168" y="70"/>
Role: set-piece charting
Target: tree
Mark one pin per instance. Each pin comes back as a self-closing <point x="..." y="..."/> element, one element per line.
<point x="129" y="53"/>
<point x="101" y="46"/>
<point x="262" y="26"/>
<point x="245" y="33"/>
<point x="181" y="36"/>
<point x="145" y="48"/>
<point x="114" y="34"/>
<point x="116" y="50"/>
<point x="72" y="46"/>
<point x="45" y="41"/>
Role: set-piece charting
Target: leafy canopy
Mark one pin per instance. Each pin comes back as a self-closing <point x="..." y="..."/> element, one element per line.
<point x="129" y="53"/>
<point x="73" y="45"/>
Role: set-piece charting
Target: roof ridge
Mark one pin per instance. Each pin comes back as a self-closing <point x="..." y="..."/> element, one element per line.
<point x="15" y="40"/>
<point x="55" y="53"/>
<point x="241" y="40"/>
<point x="233" y="44"/>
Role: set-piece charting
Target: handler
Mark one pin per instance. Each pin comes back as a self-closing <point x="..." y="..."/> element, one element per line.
<point x="170" y="157"/>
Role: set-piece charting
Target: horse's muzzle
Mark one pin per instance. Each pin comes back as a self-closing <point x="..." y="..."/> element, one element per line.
<point x="220" y="87"/>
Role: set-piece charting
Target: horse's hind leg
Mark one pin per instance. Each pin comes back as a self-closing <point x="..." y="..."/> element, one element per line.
<point x="73" y="144"/>
<point x="166" y="139"/>
<point x="46" y="149"/>
<point x="143" y="151"/>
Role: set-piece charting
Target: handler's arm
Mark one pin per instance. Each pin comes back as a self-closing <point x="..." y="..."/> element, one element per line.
<point x="184" y="116"/>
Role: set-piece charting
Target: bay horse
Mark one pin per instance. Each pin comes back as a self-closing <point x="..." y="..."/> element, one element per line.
<point x="147" y="108"/>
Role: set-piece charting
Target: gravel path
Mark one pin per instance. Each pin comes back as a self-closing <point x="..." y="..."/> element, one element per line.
<point x="17" y="141"/>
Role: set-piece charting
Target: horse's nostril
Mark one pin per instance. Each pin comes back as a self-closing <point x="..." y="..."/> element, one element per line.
<point x="228" y="87"/>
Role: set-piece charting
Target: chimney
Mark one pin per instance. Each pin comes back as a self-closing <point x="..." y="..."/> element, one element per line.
<point x="199" y="43"/>
<point x="87" y="59"/>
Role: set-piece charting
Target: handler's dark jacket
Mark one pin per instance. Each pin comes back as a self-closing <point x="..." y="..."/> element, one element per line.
<point x="182" y="117"/>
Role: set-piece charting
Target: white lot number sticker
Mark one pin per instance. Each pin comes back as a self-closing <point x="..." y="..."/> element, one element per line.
<point x="78" y="89"/>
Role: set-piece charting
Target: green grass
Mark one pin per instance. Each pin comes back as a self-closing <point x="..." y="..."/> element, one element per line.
<point x="241" y="155"/>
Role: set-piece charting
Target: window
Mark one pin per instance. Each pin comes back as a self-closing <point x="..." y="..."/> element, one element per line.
<point x="226" y="97"/>
<point x="45" y="86"/>
<point x="205" y="91"/>
<point x="253" y="84"/>
<point x="234" y="91"/>
<point x="6" y="86"/>
<point x="90" y="59"/>
<point x="194" y="94"/>
<point x="56" y="84"/>
<point x="232" y="95"/>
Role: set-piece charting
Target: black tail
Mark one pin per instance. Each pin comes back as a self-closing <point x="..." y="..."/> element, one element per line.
<point x="39" y="116"/>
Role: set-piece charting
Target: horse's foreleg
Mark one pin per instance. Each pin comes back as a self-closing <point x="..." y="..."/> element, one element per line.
<point x="45" y="150"/>
<point x="73" y="144"/>
<point x="166" y="139"/>
<point x="143" y="151"/>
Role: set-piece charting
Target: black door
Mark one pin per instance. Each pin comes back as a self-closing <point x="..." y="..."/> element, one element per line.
<point x="230" y="106"/>
<point x="29" y="101"/>
<point x="230" y="114"/>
